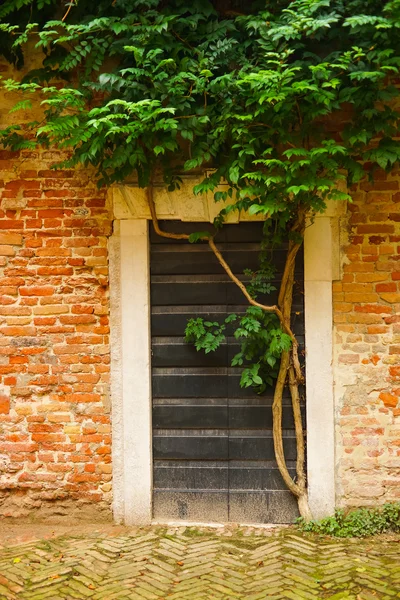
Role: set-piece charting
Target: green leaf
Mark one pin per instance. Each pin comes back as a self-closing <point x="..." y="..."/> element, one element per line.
<point x="234" y="174"/>
<point x="21" y="105"/>
<point x="198" y="236"/>
<point x="254" y="209"/>
<point x="190" y="164"/>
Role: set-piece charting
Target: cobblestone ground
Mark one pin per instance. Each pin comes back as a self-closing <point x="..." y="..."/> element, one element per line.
<point x="200" y="563"/>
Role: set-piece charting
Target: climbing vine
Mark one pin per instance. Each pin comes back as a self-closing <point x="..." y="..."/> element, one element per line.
<point x="283" y="102"/>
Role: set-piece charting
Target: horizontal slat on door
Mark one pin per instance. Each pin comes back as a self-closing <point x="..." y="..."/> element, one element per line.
<point x="212" y="289"/>
<point x="220" y="445"/>
<point x="172" y="320"/>
<point x="205" y="382"/>
<point x="206" y="416"/>
<point x="201" y="260"/>
<point x="243" y="233"/>
<point x="219" y="475"/>
<point x="175" y="352"/>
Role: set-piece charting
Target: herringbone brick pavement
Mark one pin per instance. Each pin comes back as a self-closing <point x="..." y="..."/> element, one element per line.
<point x="187" y="563"/>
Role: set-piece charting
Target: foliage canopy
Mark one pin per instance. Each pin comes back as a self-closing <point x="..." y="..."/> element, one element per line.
<point x="258" y="94"/>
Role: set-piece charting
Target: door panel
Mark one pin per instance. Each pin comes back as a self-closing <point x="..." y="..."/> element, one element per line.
<point x="212" y="440"/>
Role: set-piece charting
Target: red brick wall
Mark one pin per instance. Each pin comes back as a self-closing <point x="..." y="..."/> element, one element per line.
<point x="54" y="336"/>
<point x="367" y="365"/>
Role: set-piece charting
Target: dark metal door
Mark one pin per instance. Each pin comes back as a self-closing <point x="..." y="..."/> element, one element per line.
<point x="212" y="441"/>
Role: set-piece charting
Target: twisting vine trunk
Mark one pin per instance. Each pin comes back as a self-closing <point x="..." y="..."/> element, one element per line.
<point x="290" y="371"/>
<point x="287" y="376"/>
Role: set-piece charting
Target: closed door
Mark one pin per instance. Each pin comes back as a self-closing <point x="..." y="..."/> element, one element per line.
<point x="212" y="441"/>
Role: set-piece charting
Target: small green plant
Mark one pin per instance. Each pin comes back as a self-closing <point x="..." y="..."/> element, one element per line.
<point x="361" y="522"/>
<point x="259" y="333"/>
<point x="262" y="342"/>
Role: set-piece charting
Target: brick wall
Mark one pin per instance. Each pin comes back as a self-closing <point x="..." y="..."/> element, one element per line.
<point x="367" y="351"/>
<point x="55" y="447"/>
<point x="54" y="338"/>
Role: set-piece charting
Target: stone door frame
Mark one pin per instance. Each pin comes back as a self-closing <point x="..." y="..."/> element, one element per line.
<point x="131" y="398"/>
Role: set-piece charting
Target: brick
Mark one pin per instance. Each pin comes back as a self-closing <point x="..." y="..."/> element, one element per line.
<point x="48" y="438"/>
<point x="392" y="298"/>
<point x="370" y="277"/>
<point x="379" y="186"/>
<point x="394" y="371"/>
<point x="78" y="319"/>
<point x="51" y="309"/>
<point x="376" y="239"/>
<point x="376" y="329"/>
<point x="70" y="349"/>
<point x="18" y="331"/>
<point x="386" y="249"/>
<point x="12" y="224"/>
<point x="358" y="268"/>
<point x="36" y="290"/>
<point x="367" y="319"/>
<point x="82" y="309"/>
<point x="342" y="307"/>
<point x="82" y="398"/>
<point x="40" y="321"/>
<point x="386" y="287"/>
<point x="389" y="400"/>
<point x="52" y="252"/>
<point x="4" y="405"/>
<point x="360" y="297"/>
<point x="372" y="309"/>
<point x="358" y="287"/>
<point x="7" y="251"/>
<point x="376" y="229"/>
<point x="51" y="271"/>
<point x="51" y="213"/>
<point x="349" y="359"/>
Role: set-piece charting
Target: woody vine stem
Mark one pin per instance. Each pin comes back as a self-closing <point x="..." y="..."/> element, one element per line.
<point x="290" y="371"/>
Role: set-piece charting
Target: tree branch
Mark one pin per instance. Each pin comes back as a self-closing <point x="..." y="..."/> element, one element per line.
<point x="298" y="426"/>
<point x="277" y="426"/>
<point x="71" y="4"/>
<point x="287" y="371"/>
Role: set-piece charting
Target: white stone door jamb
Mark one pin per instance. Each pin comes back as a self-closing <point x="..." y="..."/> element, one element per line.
<point x="321" y="267"/>
<point x="131" y="360"/>
<point x="131" y="400"/>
